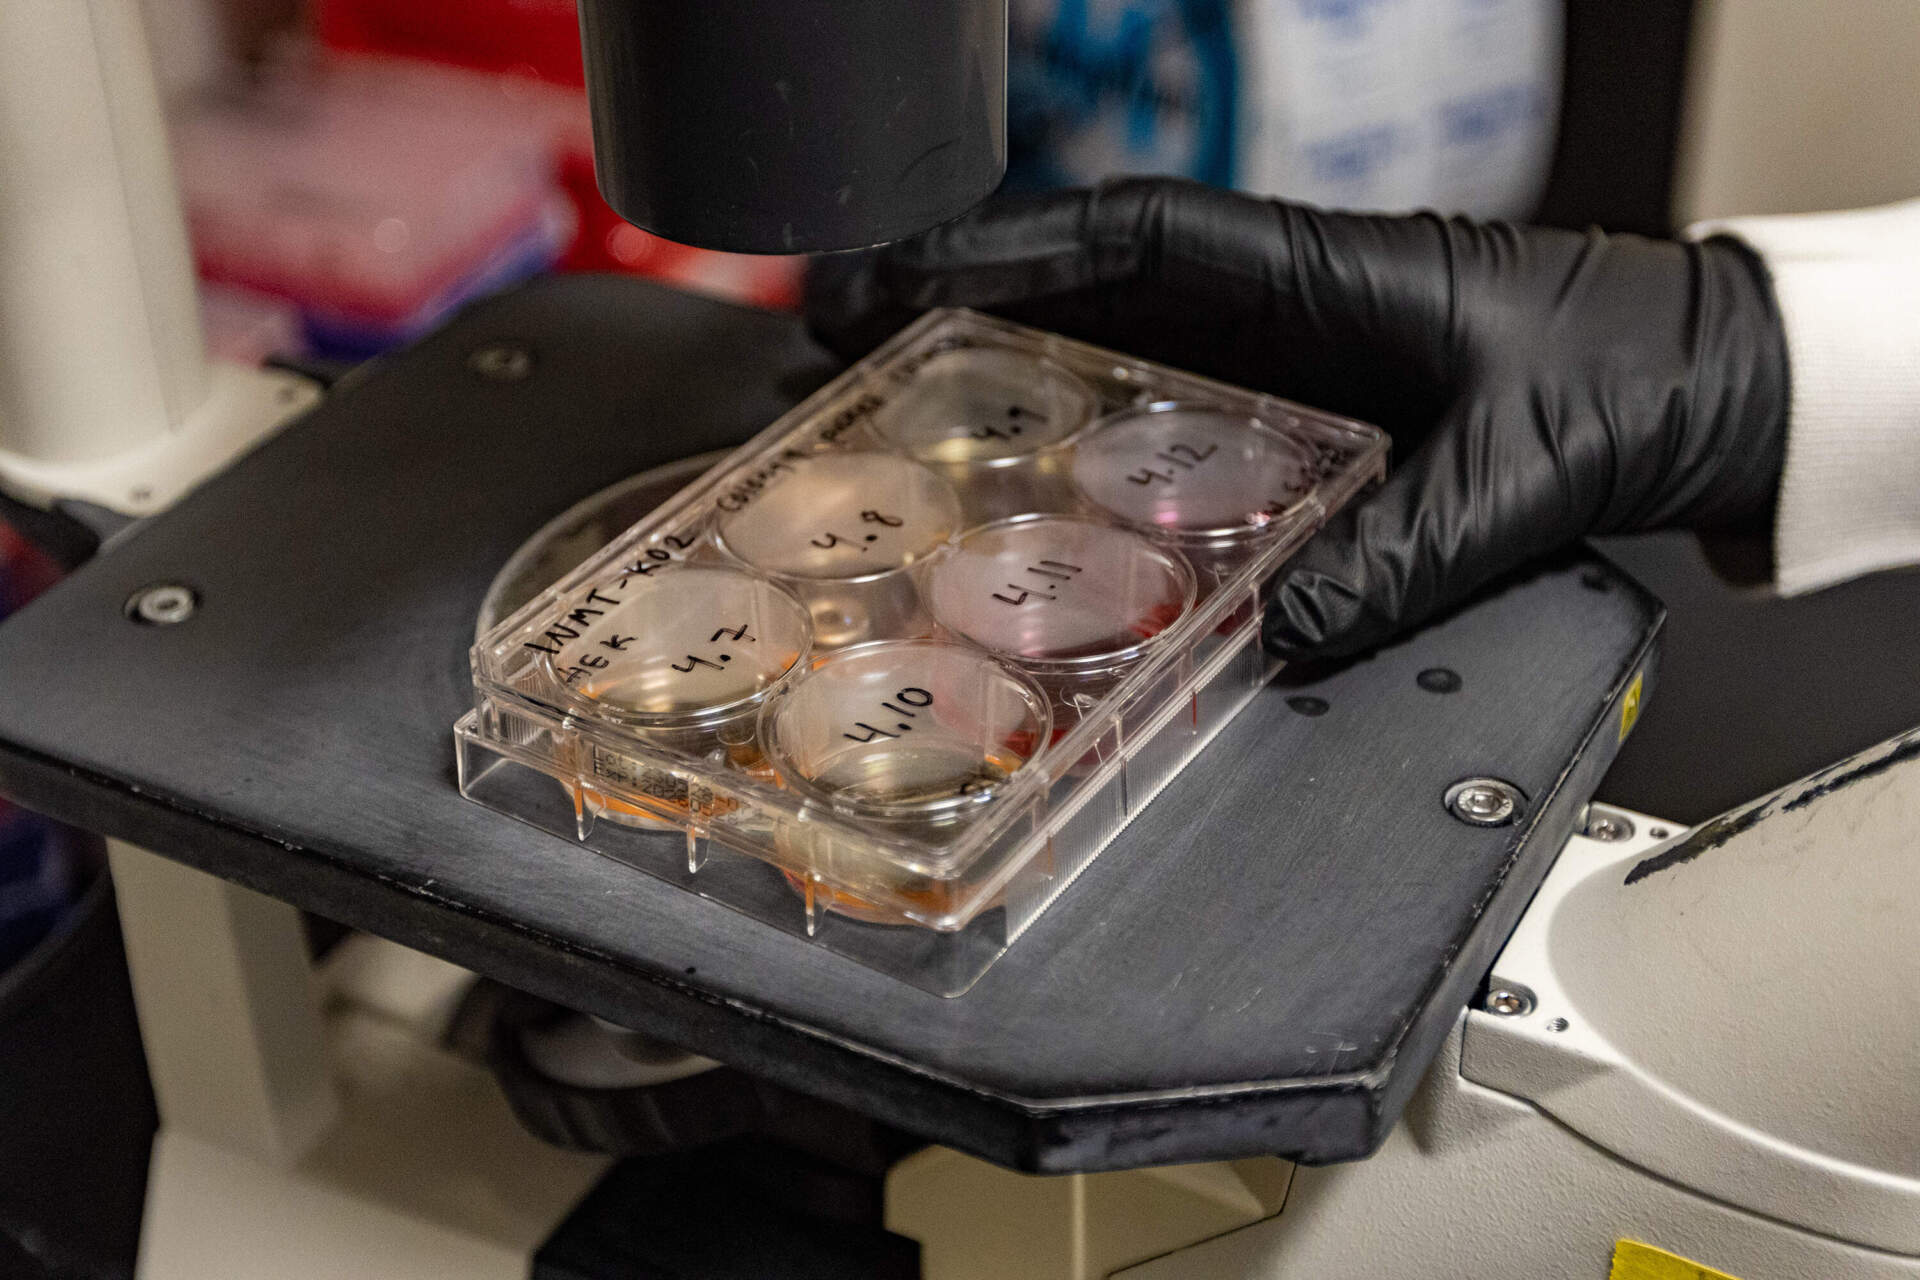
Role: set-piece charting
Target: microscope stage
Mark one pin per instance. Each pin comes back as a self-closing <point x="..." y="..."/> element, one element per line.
<point x="1263" y="962"/>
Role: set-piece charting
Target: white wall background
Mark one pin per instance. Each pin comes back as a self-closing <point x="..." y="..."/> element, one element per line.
<point x="1801" y="105"/>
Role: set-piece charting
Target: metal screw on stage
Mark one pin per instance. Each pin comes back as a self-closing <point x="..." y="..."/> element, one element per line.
<point x="1484" y="802"/>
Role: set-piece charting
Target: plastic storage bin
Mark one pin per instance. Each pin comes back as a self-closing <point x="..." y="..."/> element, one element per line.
<point x="838" y="685"/>
<point x="375" y="194"/>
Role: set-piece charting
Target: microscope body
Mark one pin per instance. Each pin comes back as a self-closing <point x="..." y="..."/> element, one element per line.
<point x="795" y="126"/>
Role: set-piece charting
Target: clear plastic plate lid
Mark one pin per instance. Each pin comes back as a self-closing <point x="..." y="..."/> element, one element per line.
<point x="675" y="646"/>
<point x="1193" y="473"/>
<point x="842" y="517"/>
<point x="985" y="406"/>
<point x="1059" y="593"/>
<point x="916" y="730"/>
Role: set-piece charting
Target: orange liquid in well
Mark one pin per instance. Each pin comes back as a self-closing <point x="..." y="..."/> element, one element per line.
<point x="671" y="800"/>
<point x="846" y="904"/>
<point x="908" y="892"/>
<point x="1157" y="619"/>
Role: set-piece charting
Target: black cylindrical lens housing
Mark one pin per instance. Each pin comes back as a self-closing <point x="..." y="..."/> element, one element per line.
<point x="789" y="126"/>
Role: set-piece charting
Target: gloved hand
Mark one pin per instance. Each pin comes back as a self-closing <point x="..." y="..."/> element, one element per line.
<point x="1540" y="385"/>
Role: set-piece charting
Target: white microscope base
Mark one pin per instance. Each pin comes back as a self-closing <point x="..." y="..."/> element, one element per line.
<point x="424" y="1173"/>
<point x="1481" y="1186"/>
<point x="1628" y="1053"/>
<point x="312" y="1128"/>
<point x="243" y="407"/>
<point x="212" y="1214"/>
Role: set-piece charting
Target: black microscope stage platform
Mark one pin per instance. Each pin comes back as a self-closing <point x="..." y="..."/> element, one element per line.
<point x="1262" y="963"/>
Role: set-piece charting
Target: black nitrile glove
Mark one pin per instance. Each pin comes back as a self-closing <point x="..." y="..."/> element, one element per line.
<point x="1540" y="385"/>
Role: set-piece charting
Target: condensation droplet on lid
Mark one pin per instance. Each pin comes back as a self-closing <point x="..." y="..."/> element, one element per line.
<point x="391" y="235"/>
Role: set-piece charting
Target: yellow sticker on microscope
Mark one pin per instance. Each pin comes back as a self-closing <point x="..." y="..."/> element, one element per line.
<point x="1630" y="705"/>
<point x="1635" y="1261"/>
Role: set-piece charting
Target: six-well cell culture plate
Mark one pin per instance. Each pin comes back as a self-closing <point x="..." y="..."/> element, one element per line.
<point x="896" y="670"/>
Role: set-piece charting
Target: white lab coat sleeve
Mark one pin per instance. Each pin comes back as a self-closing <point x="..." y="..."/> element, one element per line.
<point x="1848" y="285"/>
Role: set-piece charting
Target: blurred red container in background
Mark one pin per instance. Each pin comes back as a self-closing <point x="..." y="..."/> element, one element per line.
<point x="537" y="38"/>
<point x="540" y="40"/>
